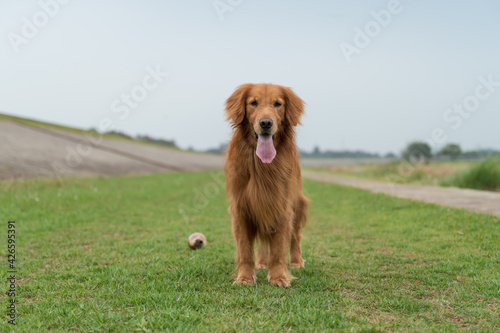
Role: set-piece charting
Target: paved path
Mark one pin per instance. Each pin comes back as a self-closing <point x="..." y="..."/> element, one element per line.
<point x="479" y="201"/>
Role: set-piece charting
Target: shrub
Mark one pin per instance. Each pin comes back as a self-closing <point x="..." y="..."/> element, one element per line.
<point x="483" y="176"/>
<point x="452" y="150"/>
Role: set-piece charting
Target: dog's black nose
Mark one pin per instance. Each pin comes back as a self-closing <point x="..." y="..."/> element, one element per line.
<point x="266" y="123"/>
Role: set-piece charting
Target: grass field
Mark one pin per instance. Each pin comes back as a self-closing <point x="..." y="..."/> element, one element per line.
<point x="111" y="254"/>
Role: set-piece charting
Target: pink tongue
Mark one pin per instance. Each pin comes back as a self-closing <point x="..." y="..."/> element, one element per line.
<point x="265" y="148"/>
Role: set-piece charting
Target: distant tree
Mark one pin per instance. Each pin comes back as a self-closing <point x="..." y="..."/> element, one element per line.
<point x="481" y="153"/>
<point x="452" y="150"/>
<point x="220" y="150"/>
<point x="119" y="133"/>
<point x="417" y="152"/>
<point x="316" y="151"/>
<point x="390" y="155"/>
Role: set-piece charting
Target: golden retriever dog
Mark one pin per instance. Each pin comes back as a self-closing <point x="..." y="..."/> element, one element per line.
<point x="264" y="184"/>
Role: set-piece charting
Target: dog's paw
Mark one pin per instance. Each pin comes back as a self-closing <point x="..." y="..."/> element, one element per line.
<point x="298" y="264"/>
<point x="261" y="266"/>
<point x="282" y="281"/>
<point x="245" y="280"/>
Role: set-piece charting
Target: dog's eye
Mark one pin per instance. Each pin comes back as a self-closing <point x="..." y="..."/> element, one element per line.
<point x="277" y="104"/>
<point x="254" y="103"/>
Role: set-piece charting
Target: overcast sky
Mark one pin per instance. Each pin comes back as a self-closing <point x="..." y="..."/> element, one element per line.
<point x="375" y="74"/>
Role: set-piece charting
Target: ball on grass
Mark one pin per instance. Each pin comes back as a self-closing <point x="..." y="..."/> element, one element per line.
<point x="197" y="241"/>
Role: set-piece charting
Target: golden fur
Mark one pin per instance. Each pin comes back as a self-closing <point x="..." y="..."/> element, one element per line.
<point x="266" y="200"/>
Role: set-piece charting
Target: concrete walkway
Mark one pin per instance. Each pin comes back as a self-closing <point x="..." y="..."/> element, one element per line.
<point x="478" y="201"/>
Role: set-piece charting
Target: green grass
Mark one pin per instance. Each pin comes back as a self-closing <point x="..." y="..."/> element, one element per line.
<point x="483" y="176"/>
<point x="37" y="123"/>
<point x="111" y="254"/>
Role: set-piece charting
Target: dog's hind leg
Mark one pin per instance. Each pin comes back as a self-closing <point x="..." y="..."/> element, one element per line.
<point x="262" y="254"/>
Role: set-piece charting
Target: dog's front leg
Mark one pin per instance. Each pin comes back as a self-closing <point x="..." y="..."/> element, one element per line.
<point x="278" y="246"/>
<point x="244" y="235"/>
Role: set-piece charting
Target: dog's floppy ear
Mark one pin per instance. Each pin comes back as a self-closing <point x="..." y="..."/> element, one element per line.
<point x="294" y="107"/>
<point x="236" y="105"/>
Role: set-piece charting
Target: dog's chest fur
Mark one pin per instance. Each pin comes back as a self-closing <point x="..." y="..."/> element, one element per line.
<point x="266" y="195"/>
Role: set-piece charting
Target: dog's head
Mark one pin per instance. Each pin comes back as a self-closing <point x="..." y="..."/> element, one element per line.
<point x="264" y="111"/>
